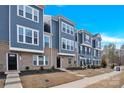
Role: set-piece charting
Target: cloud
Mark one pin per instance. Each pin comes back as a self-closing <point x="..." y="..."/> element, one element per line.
<point x="107" y="39"/>
<point x="111" y="39"/>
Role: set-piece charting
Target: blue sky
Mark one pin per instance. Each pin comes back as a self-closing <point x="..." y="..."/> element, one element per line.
<point x="106" y="20"/>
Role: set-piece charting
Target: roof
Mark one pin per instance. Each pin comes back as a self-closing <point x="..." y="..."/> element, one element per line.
<point x="64" y="18"/>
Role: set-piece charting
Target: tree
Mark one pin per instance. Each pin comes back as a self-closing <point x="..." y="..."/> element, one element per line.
<point x="122" y="47"/>
<point x="110" y="54"/>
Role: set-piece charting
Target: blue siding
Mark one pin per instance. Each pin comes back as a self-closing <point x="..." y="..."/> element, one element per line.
<point x="16" y="20"/>
<point x="65" y="35"/>
<point x="4" y="23"/>
<point x="55" y="32"/>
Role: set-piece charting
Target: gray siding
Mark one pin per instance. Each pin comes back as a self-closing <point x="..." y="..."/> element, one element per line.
<point x="4" y="23"/>
<point x="16" y="20"/>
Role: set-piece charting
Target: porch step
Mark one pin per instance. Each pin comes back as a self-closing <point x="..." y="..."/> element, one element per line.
<point x="12" y="72"/>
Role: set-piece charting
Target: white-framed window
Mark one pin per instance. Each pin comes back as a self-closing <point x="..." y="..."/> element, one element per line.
<point x="87" y="38"/>
<point x="67" y="44"/>
<point x="72" y="30"/>
<point x="47" y="42"/>
<point x="85" y="49"/>
<point x="27" y="35"/>
<point x="81" y="49"/>
<point x="64" y="44"/>
<point x="72" y="45"/>
<point x="98" y="42"/>
<point x="66" y="28"/>
<point x="28" y="12"/>
<point x="40" y="60"/>
<point x="20" y="10"/>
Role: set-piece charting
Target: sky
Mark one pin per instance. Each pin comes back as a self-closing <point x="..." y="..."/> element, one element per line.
<point x="106" y="20"/>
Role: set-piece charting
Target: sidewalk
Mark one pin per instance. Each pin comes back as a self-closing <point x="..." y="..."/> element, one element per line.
<point x="87" y="81"/>
<point x="13" y="80"/>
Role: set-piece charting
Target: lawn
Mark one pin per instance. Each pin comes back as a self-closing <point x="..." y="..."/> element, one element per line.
<point x="113" y="82"/>
<point x="2" y="79"/>
<point x="93" y="72"/>
<point x="45" y="80"/>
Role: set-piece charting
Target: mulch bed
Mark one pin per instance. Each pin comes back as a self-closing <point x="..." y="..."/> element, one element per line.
<point x="33" y="72"/>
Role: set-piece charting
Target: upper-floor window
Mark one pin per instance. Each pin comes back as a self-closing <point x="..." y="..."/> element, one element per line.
<point x="98" y="42"/>
<point x="27" y="35"/>
<point x="47" y="41"/>
<point x="67" y="44"/>
<point x="64" y="43"/>
<point x="21" y="10"/>
<point x="87" y="38"/>
<point x="72" y="45"/>
<point x="81" y="49"/>
<point x="67" y="28"/>
<point x="28" y="12"/>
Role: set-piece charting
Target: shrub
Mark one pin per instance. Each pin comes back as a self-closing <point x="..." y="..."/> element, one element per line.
<point x="104" y="64"/>
<point x="93" y="67"/>
<point x="112" y="66"/>
<point x="41" y="68"/>
<point x="74" y="68"/>
<point x="27" y="68"/>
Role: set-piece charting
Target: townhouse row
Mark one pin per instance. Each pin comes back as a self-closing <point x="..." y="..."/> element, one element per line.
<point x="28" y="38"/>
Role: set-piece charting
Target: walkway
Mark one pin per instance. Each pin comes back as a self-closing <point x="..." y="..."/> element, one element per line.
<point x="87" y="81"/>
<point x="13" y="80"/>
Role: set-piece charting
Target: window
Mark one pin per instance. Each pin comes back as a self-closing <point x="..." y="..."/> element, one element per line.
<point x="63" y="27"/>
<point x="98" y="42"/>
<point x="72" y="45"/>
<point x="46" y="60"/>
<point x="28" y="12"/>
<point x="81" y="49"/>
<point x="67" y="44"/>
<point x="47" y="41"/>
<point x="21" y="33"/>
<point x="72" y="30"/>
<point x="64" y="43"/>
<point x="87" y="38"/>
<point x="21" y="10"/>
<point x="34" y="60"/>
<point x="36" y="15"/>
<point x="36" y="34"/>
<point x="27" y="35"/>
<point x="67" y="28"/>
<point x="85" y="49"/>
<point x="39" y="60"/>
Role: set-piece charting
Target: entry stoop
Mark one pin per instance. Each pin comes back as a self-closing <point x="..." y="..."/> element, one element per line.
<point x="13" y="80"/>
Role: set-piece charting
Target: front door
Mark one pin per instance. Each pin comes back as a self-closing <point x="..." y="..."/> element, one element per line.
<point x="12" y="61"/>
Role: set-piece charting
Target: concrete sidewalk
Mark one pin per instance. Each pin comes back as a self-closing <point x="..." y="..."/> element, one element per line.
<point x="13" y="80"/>
<point x="87" y="81"/>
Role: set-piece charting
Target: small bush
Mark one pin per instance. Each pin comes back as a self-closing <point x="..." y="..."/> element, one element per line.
<point x="41" y="68"/>
<point x="93" y="67"/>
<point x="112" y="66"/>
<point x="27" y="68"/>
<point x="104" y="64"/>
<point x="74" y="68"/>
<point x="52" y="69"/>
